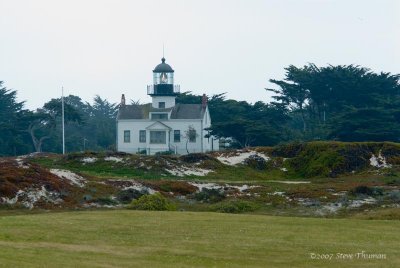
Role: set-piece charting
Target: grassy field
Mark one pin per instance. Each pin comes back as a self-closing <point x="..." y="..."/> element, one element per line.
<point x="122" y="238"/>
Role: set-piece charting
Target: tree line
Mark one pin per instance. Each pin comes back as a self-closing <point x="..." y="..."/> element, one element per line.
<point x="344" y="103"/>
<point x="88" y="126"/>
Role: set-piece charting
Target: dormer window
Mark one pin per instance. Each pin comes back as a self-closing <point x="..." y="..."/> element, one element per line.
<point x="161" y="105"/>
<point x="159" y="116"/>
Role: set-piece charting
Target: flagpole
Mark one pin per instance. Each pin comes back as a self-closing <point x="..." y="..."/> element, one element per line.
<point x="62" y="119"/>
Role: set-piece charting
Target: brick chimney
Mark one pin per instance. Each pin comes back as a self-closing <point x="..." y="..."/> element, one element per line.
<point x="204" y="101"/>
<point x="123" y="100"/>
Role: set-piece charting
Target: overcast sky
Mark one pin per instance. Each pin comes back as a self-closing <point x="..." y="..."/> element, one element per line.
<point x="111" y="47"/>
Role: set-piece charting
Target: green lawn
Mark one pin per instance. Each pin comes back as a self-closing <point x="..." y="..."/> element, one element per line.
<point x="123" y="238"/>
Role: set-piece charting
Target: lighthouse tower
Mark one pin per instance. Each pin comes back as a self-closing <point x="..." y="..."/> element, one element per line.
<point x="163" y="91"/>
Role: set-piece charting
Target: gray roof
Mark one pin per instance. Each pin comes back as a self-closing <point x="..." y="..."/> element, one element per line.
<point x="134" y="111"/>
<point x="187" y="111"/>
<point x="179" y="111"/>
<point x="163" y="67"/>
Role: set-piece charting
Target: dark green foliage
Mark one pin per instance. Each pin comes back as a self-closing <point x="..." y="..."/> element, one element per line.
<point x="152" y="202"/>
<point x="195" y="158"/>
<point x="256" y="162"/>
<point x="248" y="124"/>
<point x="126" y="196"/>
<point x="188" y="98"/>
<point x="347" y="103"/>
<point x="367" y="124"/>
<point x="288" y="150"/>
<point x="366" y="190"/>
<point x="142" y="152"/>
<point x="175" y="187"/>
<point x="105" y="201"/>
<point x="395" y="196"/>
<point x="13" y="135"/>
<point x="165" y="153"/>
<point x="331" y="159"/>
<point x="235" y="206"/>
<point x="87" y="126"/>
<point x="87" y="197"/>
<point x="210" y="195"/>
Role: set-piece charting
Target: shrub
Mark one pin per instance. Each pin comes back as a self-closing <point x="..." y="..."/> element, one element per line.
<point x="394" y="196"/>
<point x="87" y="197"/>
<point x="210" y="195"/>
<point x="235" y="206"/>
<point x="152" y="202"/>
<point x="195" y="157"/>
<point x="394" y="182"/>
<point x="126" y="196"/>
<point x="144" y="151"/>
<point x="178" y="187"/>
<point x="105" y="201"/>
<point x="256" y="162"/>
<point x="165" y="153"/>
<point x="365" y="190"/>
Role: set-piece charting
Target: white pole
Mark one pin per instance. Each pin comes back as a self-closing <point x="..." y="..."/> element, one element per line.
<point x="62" y="116"/>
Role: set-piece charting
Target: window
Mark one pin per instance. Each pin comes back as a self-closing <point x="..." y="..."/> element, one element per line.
<point x="142" y="136"/>
<point x="177" y="136"/>
<point x="127" y="136"/>
<point x="161" y="105"/>
<point x="158" y="137"/>
<point x="163" y="116"/>
<point x="192" y="135"/>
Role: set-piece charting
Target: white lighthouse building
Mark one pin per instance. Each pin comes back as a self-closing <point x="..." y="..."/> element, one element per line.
<point x="164" y="125"/>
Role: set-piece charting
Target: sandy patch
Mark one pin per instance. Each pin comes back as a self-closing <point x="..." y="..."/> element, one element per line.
<point x="21" y="163"/>
<point x="240" y="157"/>
<point x="379" y="161"/>
<point x="88" y="160"/>
<point x="186" y="171"/>
<point x="130" y="184"/>
<point x="30" y="197"/>
<point x="208" y="186"/>
<point x="71" y="177"/>
<point x="359" y="203"/>
<point x="222" y="187"/>
<point x="114" y="159"/>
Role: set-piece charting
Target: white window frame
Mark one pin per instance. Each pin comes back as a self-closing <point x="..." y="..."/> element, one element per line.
<point x="127" y="136"/>
<point x="159" y="131"/>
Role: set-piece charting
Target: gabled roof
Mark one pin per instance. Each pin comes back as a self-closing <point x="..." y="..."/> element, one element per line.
<point x="158" y="125"/>
<point x="179" y="111"/>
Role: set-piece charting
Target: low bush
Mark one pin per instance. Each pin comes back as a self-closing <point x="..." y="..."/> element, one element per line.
<point x="176" y="187"/>
<point x="144" y="151"/>
<point x="195" y="157"/>
<point x="165" y="153"/>
<point x="210" y="195"/>
<point x="256" y="162"/>
<point x="105" y="201"/>
<point x="126" y="196"/>
<point x="366" y="190"/>
<point x="395" y="196"/>
<point x="394" y="182"/>
<point x="235" y="206"/>
<point x="152" y="202"/>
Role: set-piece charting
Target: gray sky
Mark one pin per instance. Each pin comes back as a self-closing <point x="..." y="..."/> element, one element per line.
<point x="110" y="47"/>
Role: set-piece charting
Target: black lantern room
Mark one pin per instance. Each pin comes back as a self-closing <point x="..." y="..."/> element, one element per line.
<point x="163" y="81"/>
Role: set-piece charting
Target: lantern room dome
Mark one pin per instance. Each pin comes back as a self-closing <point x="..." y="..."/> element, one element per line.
<point x="163" y="67"/>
